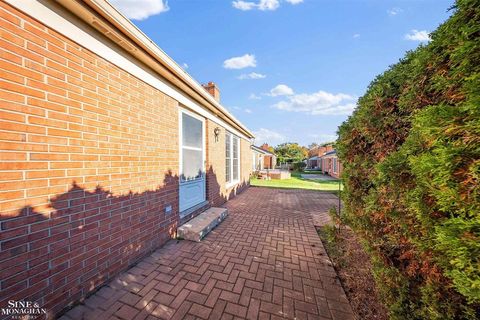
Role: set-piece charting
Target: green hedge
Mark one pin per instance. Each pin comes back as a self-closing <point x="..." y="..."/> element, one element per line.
<point x="411" y="155"/>
<point x="299" y="166"/>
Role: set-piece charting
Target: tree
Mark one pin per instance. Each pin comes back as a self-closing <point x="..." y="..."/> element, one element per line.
<point x="290" y="152"/>
<point x="331" y="143"/>
<point x="313" y="145"/>
<point x="411" y="156"/>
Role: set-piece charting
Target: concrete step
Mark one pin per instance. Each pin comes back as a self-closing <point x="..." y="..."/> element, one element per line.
<point x="198" y="227"/>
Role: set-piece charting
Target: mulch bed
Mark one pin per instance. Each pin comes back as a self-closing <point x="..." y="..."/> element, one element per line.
<point x="354" y="269"/>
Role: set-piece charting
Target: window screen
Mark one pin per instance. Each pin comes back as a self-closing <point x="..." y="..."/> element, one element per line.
<point x="191" y="132"/>
<point x="192" y="147"/>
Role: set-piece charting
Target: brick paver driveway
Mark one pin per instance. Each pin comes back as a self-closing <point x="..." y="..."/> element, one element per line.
<point x="265" y="261"/>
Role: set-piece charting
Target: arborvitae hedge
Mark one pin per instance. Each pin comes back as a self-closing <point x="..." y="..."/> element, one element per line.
<point x="411" y="155"/>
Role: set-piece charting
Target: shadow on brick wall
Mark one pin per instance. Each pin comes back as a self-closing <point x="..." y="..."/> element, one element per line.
<point x="88" y="238"/>
<point x="215" y="194"/>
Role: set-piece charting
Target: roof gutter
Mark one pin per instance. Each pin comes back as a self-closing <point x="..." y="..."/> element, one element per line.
<point x="134" y="41"/>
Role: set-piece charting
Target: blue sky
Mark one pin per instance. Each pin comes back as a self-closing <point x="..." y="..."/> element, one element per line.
<point x="290" y="70"/>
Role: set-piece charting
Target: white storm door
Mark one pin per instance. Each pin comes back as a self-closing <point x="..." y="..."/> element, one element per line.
<point x="192" y="160"/>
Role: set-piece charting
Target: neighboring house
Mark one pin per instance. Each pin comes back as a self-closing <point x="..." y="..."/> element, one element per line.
<point x="107" y="145"/>
<point x="319" y="150"/>
<point x="315" y="154"/>
<point x="257" y="158"/>
<point x="314" y="163"/>
<point x="331" y="165"/>
<point x="269" y="159"/>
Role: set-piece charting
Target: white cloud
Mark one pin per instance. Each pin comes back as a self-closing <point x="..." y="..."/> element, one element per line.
<point x="251" y="75"/>
<point x="253" y="96"/>
<point x="416" y="35"/>
<point x="322" y="137"/>
<point x="294" y="2"/>
<point x="319" y="103"/>
<point x="185" y="66"/>
<point x="268" y="5"/>
<point x="265" y="135"/>
<point x="246" y="110"/>
<point x="247" y="60"/>
<point x="263" y="5"/>
<point x="356" y="35"/>
<point x="243" y="5"/>
<point x="281" y="90"/>
<point x="140" y="9"/>
<point x="394" y="11"/>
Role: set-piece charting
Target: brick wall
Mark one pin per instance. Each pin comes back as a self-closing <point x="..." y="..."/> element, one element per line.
<point x="88" y="163"/>
<point x="246" y="164"/>
<point x="268" y="162"/>
<point x="327" y="166"/>
<point x="217" y="192"/>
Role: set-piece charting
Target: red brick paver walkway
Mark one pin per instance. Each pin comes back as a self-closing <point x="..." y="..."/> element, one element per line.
<point x="265" y="261"/>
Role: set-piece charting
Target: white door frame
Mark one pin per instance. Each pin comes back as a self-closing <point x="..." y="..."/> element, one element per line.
<point x="202" y="179"/>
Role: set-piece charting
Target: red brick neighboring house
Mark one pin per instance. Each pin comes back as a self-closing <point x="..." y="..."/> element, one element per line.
<point x="319" y="151"/>
<point x="330" y="164"/>
<point x="269" y="159"/>
<point x="106" y="145"/>
<point x="315" y="154"/>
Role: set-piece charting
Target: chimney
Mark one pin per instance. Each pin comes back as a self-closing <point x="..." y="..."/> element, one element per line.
<point x="213" y="90"/>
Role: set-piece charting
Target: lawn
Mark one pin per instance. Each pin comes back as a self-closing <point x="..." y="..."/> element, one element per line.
<point x="297" y="182"/>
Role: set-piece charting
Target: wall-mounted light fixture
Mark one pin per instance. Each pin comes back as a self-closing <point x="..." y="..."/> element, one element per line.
<point x="216" y="132"/>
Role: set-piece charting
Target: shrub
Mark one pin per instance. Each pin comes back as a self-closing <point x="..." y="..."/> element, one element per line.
<point x="411" y="155"/>
<point x="298" y="166"/>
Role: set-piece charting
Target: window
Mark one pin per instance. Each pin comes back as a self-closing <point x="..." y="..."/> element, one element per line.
<point x="235" y="158"/>
<point x="232" y="158"/>
<point x="192" y="148"/>
<point x="228" y="158"/>
<point x="335" y="165"/>
<point x="257" y="161"/>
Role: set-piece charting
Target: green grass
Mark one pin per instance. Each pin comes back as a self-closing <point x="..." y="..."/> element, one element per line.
<point x="297" y="182"/>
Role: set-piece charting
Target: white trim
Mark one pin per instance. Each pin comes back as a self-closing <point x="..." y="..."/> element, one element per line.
<point x="232" y="183"/>
<point x="192" y="148"/>
<point x="52" y="19"/>
<point x="239" y="157"/>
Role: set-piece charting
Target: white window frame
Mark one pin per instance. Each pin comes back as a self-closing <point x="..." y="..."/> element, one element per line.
<point x="335" y="164"/>
<point x="232" y="183"/>
<point x="181" y="111"/>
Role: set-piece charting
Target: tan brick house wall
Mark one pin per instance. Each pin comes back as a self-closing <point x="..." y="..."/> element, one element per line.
<point x="89" y="162"/>
<point x="217" y="191"/>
